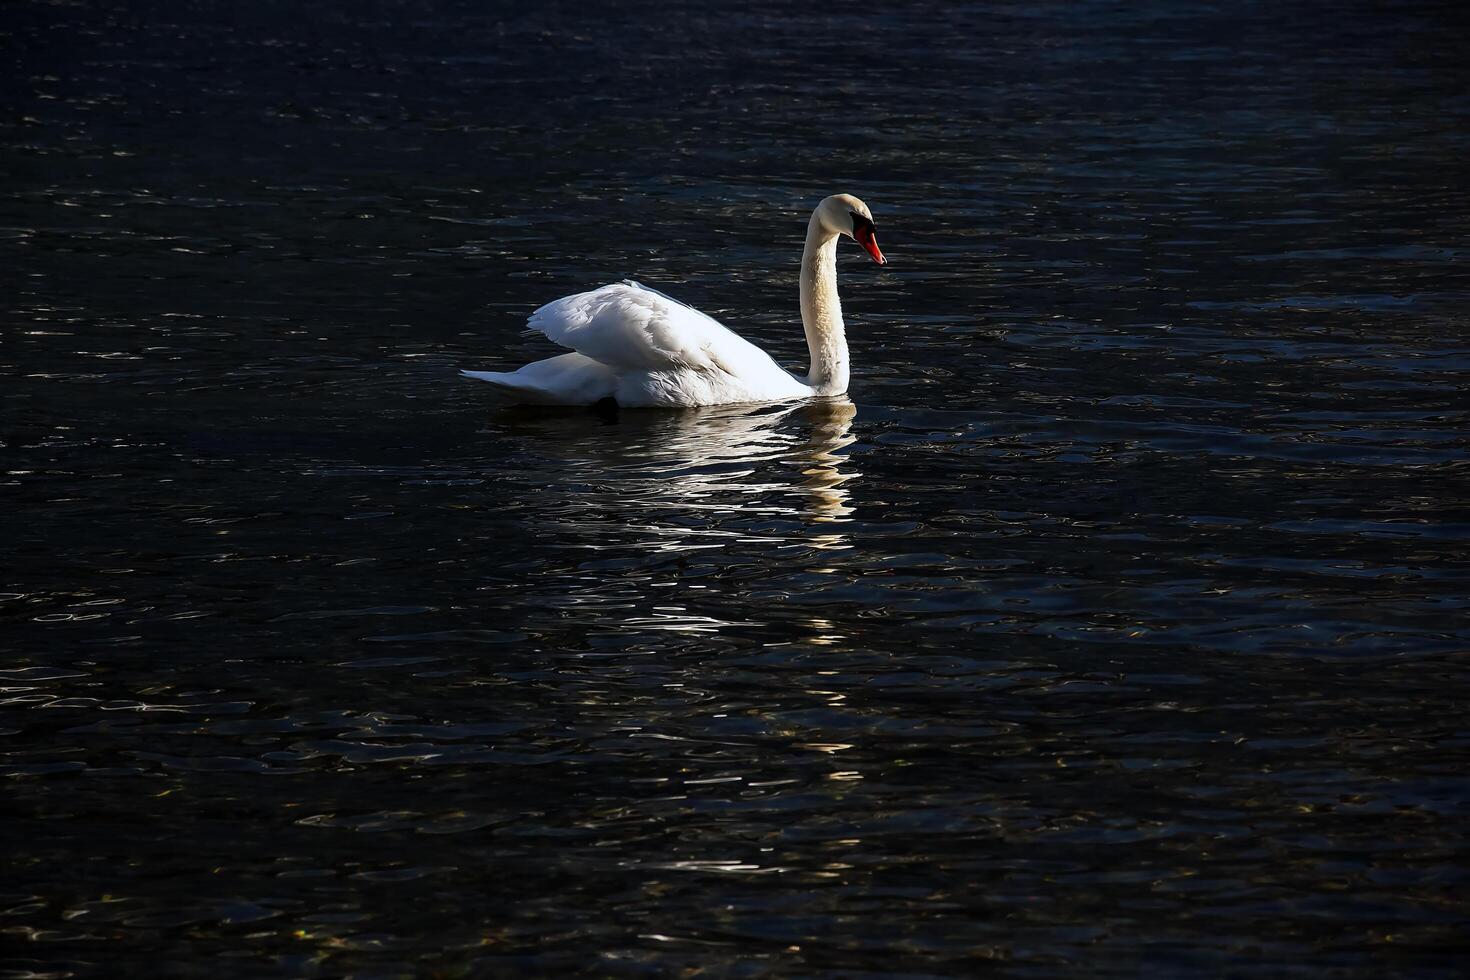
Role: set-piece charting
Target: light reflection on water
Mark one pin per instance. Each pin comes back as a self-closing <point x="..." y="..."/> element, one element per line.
<point x="685" y="485"/>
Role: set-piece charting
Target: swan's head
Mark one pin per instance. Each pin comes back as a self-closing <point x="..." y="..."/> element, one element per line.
<point x="843" y="214"/>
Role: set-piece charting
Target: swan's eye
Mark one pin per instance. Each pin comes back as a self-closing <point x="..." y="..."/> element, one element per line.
<point x="861" y="224"/>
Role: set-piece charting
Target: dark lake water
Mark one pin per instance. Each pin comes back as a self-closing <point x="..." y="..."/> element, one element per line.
<point x="1117" y="625"/>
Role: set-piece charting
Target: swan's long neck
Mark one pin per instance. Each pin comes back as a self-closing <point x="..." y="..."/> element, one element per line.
<point x="821" y="312"/>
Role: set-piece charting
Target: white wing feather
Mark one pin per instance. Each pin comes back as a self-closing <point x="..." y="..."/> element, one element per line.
<point x="642" y="349"/>
<point x="627" y="325"/>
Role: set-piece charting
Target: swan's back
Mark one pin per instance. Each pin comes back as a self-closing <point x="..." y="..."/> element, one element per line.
<point x="643" y="348"/>
<point x="628" y="325"/>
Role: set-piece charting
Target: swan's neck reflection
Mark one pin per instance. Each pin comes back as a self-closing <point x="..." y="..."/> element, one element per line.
<point x="648" y="493"/>
<point x="711" y="454"/>
<point x="831" y="426"/>
<point x="739" y="467"/>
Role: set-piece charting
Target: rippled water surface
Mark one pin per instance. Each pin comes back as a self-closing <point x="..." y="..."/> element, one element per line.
<point x="1115" y="626"/>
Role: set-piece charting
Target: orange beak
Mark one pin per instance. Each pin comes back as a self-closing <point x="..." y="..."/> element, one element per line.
<point x="868" y="239"/>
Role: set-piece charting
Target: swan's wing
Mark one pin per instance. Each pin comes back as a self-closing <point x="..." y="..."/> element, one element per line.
<point x="627" y="325"/>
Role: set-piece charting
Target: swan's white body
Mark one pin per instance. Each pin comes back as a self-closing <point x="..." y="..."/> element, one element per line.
<point x="641" y="348"/>
<point x="644" y="349"/>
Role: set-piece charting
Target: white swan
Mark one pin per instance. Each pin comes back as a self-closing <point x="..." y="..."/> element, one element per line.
<point x="643" y="349"/>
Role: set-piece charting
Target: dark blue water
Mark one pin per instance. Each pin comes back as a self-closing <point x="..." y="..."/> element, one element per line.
<point x="1116" y="626"/>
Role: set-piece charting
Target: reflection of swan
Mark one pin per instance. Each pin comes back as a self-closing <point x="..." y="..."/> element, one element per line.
<point x="640" y="348"/>
<point x="653" y="509"/>
<point x="729" y="461"/>
<point x="831" y="424"/>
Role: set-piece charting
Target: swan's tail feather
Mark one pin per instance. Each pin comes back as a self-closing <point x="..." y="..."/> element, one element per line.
<point x="570" y="379"/>
<point x="503" y="380"/>
<point x="521" y="391"/>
